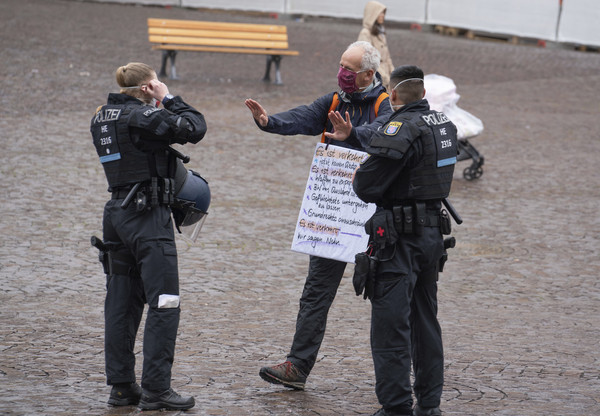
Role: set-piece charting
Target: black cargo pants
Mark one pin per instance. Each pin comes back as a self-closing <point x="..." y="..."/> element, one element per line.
<point x="404" y="324"/>
<point x="147" y="237"/>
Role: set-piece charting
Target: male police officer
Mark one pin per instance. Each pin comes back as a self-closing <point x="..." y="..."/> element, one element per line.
<point x="407" y="175"/>
<point x="354" y="113"/>
<point x="132" y="136"/>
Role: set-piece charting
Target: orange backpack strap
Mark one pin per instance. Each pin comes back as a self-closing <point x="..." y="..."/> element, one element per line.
<point x="381" y="97"/>
<point x="336" y="100"/>
<point x="334" y="103"/>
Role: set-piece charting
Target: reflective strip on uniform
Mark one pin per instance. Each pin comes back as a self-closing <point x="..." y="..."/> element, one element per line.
<point x="168" y="301"/>
<point x="110" y="158"/>
<point x="446" y="162"/>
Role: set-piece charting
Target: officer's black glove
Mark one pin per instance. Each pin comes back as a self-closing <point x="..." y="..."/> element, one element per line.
<point x="365" y="267"/>
<point x="361" y="272"/>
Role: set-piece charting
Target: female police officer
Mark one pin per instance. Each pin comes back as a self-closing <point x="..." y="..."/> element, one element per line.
<point x="131" y="135"/>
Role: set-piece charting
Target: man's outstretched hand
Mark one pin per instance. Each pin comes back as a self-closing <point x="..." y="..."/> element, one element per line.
<point x="341" y="128"/>
<point x="258" y="112"/>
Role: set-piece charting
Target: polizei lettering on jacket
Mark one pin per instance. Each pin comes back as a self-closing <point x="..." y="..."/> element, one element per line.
<point x="107" y="114"/>
<point x="435" y="119"/>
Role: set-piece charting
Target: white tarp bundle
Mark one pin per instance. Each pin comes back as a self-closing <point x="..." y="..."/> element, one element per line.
<point x="440" y="91"/>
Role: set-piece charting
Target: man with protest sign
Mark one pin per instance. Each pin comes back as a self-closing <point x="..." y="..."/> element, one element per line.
<point x="346" y="118"/>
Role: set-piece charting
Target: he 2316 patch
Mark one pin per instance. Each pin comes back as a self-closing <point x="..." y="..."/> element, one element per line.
<point x="393" y="128"/>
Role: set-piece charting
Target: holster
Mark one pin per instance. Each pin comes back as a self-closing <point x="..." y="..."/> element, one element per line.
<point x="445" y="223"/>
<point x="363" y="280"/>
<point x="104" y="255"/>
<point x="114" y="262"/>
<point x="449" y="242"/>
<point x="106" y="260"/>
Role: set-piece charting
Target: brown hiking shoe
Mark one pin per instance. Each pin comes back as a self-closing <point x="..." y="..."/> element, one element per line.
<point x="286" y="373"/>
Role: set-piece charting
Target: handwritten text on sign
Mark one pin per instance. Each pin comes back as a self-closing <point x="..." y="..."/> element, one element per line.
<point x="332" y="218"/>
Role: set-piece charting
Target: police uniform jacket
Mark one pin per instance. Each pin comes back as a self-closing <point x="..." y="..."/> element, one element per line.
<point x="131" y="137"/>
<point x="313" y="119"/>
<point x="412" y="158"/>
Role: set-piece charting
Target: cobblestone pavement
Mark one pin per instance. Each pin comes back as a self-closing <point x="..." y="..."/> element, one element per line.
<point x="519" y="298"/>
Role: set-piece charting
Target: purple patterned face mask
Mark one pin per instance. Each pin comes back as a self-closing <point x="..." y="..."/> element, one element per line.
<point x="347" y="80"/>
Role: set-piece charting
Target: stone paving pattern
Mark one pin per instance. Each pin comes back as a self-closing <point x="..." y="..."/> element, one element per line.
<point x="519" y="298"/>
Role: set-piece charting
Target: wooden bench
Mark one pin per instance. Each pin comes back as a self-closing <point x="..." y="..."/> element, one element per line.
<point x="188" y="35"/>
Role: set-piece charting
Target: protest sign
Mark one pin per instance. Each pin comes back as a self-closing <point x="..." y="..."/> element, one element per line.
<point x="332" y="218"/>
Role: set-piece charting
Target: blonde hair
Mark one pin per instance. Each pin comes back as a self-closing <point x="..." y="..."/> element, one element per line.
<point x="134" y="74"/>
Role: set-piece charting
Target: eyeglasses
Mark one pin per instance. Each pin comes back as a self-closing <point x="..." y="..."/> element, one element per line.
<point x="356" y="72"/>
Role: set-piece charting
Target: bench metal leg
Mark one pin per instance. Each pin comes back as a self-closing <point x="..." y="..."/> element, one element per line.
<point x="277" y="60"/>
<point x="163" y="68"/>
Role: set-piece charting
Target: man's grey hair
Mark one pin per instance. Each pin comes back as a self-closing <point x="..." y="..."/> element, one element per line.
<point x="371" y="57"/>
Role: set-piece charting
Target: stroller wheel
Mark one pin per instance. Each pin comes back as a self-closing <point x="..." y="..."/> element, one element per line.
<point x="471" y="174"/>
<point x="468" y="174"/>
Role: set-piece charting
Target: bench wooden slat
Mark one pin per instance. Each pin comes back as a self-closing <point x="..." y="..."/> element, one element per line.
<point x="181" y="40"/>
<point x="171" y="36"/>
<point x="217" y="34"/>
<point x="194" y="24"/>
<point x="285" y="52"/>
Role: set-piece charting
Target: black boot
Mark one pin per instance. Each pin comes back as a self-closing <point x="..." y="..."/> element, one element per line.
<point x="384" y="412"/>
<point x="125" y="394"/>
<point x="426" y="411"/>
<point x="167" y="399"/>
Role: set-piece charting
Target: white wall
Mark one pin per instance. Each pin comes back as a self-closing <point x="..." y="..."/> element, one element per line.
<point x="538" y="19"/>
<point x="398" y="10"/>
<point x="148" y="2"/>
<point x="579" y="22"/>
<point x="531" y="18"/>
<point x="276" y="6"/>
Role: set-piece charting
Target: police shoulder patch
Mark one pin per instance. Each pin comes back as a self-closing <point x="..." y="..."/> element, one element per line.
<point x="151" y="110"/>
<point x="393" y="128"/>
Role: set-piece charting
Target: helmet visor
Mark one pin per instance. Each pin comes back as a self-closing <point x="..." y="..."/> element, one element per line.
<point x="192" y="224"/>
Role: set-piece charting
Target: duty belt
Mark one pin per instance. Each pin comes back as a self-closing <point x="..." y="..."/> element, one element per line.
<point x="410" y="219"/>
<point x="120" y="193"/>
<point x="157" y="191"/>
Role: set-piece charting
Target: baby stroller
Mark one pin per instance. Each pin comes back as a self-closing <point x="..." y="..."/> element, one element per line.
<point x="442" y="96"/>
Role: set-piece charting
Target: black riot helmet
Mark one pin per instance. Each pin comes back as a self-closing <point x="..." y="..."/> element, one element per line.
<point x="192" y="198"/>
